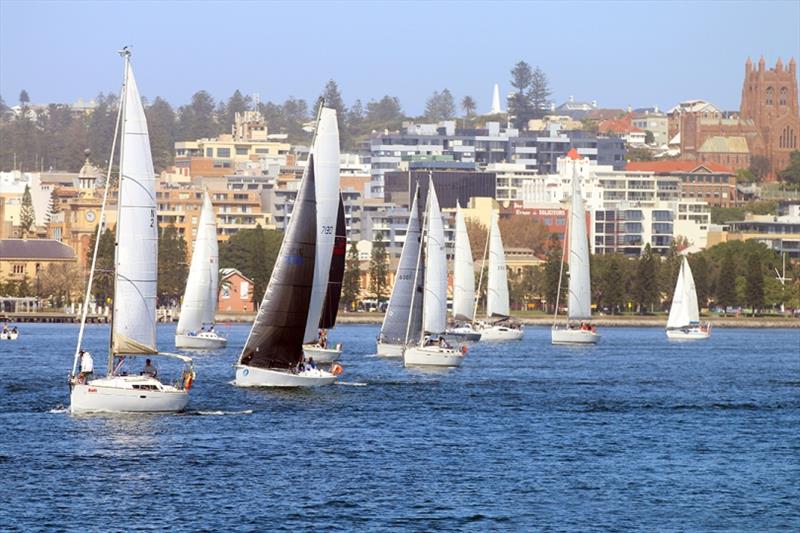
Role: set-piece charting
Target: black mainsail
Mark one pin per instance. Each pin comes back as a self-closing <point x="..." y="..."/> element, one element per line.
<point x="330" y="306"/>
<point x="276" y="339"/>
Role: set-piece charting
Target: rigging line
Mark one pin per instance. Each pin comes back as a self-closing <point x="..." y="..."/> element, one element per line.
<point x="134" y="180"/>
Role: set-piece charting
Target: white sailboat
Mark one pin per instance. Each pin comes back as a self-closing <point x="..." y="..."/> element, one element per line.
<point x="463" y="286"/>
<point x="498" y="325"/>
<point x="400" y="312"/>
<point x="9" y="334"/>
<point x="579" y="303"/>
<point x="133" y="328"/>
<point x="432" y="350"/>
<point x="292" y="306"/>
<point x="196" y="324"/>
<point x="684" y="314"/>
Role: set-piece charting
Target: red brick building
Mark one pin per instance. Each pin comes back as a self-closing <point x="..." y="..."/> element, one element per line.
<point x="235" y="293"/>
<point x="709" y="182"/>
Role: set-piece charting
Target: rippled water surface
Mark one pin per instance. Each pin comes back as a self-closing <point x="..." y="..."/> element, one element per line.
<point x="638" y="432"/>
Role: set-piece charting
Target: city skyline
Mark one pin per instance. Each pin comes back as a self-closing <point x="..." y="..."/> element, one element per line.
<point x="635" y="69"/>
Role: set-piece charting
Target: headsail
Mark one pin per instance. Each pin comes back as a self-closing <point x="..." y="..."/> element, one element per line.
<point x="497" y="287"/>
<point x="326" y="179"/>
<point x="136" y="262"/>
<point x="435" y="296"/>
<point x="684" y="309"/>
<point x="200" y="299"/>
<point x="463" y="272"/>
<point x="580" y="291"/>
<point x="398" y="314"/>
<point x="331" y="304"/>
<point x="276" y="338"/>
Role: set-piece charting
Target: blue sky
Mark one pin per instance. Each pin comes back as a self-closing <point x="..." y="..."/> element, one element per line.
<point x="620" y="53"/>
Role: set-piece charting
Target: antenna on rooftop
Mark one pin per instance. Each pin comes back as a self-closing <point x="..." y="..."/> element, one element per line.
<point x="256" y="100"/>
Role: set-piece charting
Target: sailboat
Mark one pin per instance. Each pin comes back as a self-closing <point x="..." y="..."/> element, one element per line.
<point x="133" y="326"/>
<point x="320" y="350"/>
<point x="498" y="325"/>
<point x="684" y="314"/>
<point x="579" y="304"/>
<point x="431" y="350"/>
<point x="291" y="309"/>
<point x="463" y="285"/>
<point x="400" y="312"/>
<point x="196" y="323"/>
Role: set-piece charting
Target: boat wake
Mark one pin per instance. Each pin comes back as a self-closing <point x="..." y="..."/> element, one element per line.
<point x="58" y="410"/>
<point x="352" y="383"/>
<point x="224" y="413"/>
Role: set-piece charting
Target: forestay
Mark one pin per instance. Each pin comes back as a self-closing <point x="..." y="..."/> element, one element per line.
<point x="497" y="288"/>
<point x="136" y="262"/>
<point x="463" y="272"/>
<point x="435" y="295"/>
<point x="580" y="291"/>
<point x="276" y="338"/>
<point x="399" y="312"/>
<point x="200" y="298"/>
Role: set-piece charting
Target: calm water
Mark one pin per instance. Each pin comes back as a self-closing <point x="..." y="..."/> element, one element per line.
<point x="635" y="433"/>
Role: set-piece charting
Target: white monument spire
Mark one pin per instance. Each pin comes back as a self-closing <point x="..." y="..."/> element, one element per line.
<point x="496" y="100"/>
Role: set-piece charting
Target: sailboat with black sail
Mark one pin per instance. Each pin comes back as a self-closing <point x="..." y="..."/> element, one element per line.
<point x="403" y="307"/>
<point x="196" y="324"/>
<point x="133" y="328"/>
<point x="292" y="306"/>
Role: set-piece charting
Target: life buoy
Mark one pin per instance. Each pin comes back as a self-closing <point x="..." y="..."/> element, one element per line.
<point x="336" y="369"/>
<point x="464" y="349"/>
<point x="187" y="382"/>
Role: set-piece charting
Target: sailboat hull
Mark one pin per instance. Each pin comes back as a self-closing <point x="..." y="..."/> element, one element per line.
<point x="390" y="350"/>
<point x="322" y="355"/>
<point x="127" y="394"/>
<point x="202" y="341"/>
<point x="501" y="333"/>
<point x="250" y="376"/>
<point x="432" y="356"/>
<point x="463" y="334"/>
<point x="573" y="336"/>
<point x="9" y="336"/>
<point x="689" y="334"/>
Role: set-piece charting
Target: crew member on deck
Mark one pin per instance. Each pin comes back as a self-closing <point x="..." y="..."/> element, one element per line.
<point x="87" y="367"/>
<point x="149" y="369"/>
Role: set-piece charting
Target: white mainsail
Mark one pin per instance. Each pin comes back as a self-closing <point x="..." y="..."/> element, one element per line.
<point x="684" y="309"/>
<point x="136" y="264"/>
<point x="580" y="290"/>
<point x="200" y="298"/>
<point x="435" y="299"/>
<point x="497" y="288"/>
<point x="326" y="189"/>
<point x="463" y="272"/>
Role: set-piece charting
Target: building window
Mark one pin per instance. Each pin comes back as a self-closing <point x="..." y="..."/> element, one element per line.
<point x="223" y="152"/>
<point x="241" y="151"/>
<point x="783" y="97"/>
<point x="19" y="268"/>
<point x="769" y="96"/>
<point x="209" y="152"/>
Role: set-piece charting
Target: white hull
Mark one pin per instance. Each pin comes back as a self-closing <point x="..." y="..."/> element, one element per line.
<point x="573" y="336"/>
<point x="688" y="334"/>
<point x="390" y="350"/>
<point x="501" y="333"/>
<point x="322" y="355"/>
<point x="250" y="376"/>
<point x="202" y="341"/>
<point x="432" y="356"/>
<point x="127" y="394"/>
<point x="463" y="334"/>
<point x="9" y="336"/>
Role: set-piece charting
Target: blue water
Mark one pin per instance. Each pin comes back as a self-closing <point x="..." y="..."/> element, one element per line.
<point x="637" y="433"/>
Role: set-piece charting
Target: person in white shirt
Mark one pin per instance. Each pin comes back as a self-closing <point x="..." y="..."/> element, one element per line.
<point x="87" y="366"/>
<point x="149" y="369"/>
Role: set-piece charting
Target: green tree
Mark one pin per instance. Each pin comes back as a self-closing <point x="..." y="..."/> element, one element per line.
<point x="755" y="283"/>
<point x="27" y="215"/>
<point x="469" y="106"/>
<point x="759" y="166"/>
<point x="351" y="283"/>
<point x="103" y="285"/>
<point x="102" y="123"/>
<point x="172" y="265"/>
<point x="378" y="268"/>
<point x="162" y="129"/>
<point x="253" y="252"/>
<point x="745" y="175"/>
<point x="699" y="266"/>
<point x="649" y="138"/>
<point x="355" y="119"/>
<point x="645" y="285"/>
<point x="552" y="272"/>
<point x="237" y="103"/>
<point x="196" y="120"/>
<point x="519" y="104"/>
<point x="608" y="281"/>
<point x="539" y="93"/>
<point x="24" y="99"/>
<point x="791" y="174"/>
<point x="726" y="284"/>
<point x="385" y="113"/>
<point x="4" y="110"/>
<point x="440" y="106"/>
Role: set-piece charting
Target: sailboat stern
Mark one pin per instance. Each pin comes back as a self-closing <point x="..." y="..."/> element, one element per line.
<point x="567" y="335"/>
<point x="251" y="376"/>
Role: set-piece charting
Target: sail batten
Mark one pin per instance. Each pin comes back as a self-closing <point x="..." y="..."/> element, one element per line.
<point x="579" y="303"/>
<point x="399" y="312"/>
<point x="200" y="299"/>
<point x="136" y="259"/>
<point x="463" y="272"/>
<point x="497" y="304"/>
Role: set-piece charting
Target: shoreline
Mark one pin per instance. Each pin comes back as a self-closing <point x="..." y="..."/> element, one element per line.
<point x="377" y="319"/>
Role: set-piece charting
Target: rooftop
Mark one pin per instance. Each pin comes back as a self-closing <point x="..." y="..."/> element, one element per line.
<point x="677" y="166"/>
<point x="33" y="249"/>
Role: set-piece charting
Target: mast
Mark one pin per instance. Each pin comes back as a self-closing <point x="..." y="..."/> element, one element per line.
<point x="101" y="222"/>
<point x="422" y="233"/>
<point x="480" y="278"/>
